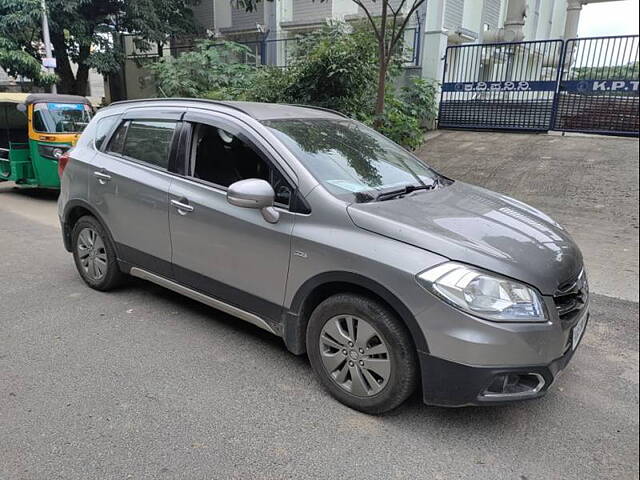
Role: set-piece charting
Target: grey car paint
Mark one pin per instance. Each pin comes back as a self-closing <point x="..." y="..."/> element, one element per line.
<point x="388" y="243"/>
<point x="233" y="245"/>
<point x="475" y="226"/>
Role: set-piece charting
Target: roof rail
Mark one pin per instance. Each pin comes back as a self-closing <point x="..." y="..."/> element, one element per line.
<point x="313" y="107"/>
<point x="199" y="100"/>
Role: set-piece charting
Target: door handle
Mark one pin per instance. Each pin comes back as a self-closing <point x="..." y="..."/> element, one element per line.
<point x="183" y="208"/>
<point x="102" y="177"/>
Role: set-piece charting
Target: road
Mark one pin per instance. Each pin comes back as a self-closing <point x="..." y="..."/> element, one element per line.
<point x="144" y="384"/>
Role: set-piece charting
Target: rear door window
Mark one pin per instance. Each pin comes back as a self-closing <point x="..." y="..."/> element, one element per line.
<point x="149" y="141"/>
<point x="117" y="140"/>
<point x="104" y="127"/>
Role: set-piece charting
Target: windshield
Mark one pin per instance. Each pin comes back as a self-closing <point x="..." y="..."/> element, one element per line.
<point x="61" y="117"/>
<point x="352" y="161"/>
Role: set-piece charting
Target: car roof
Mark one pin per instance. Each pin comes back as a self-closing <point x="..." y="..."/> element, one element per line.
<point x="256" y="110"/>
<point x="55" y="98"/>
<point x="29" y="98"/>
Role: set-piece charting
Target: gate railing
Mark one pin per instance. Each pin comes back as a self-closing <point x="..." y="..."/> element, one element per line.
<point x="586" y="85"/>
<point x="598" y="88"/>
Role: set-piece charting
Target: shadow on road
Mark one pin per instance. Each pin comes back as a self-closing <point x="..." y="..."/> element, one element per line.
<point x="412" y="414"/>
<point x="34" y="193"/>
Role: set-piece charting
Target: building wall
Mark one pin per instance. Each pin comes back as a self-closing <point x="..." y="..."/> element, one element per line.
<point x="308" y="11"/>
<point x="453" y="14"/>
<point x="203" y="13"/>
<point x="243" y="20"/>
<point x="491" y="13"/>
<point x="375" y="7"/>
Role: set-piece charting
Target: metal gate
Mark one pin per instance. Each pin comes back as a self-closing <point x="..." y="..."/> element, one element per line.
<point x="508" y="86"/>
<point x="582" y="85"/>
<point x="598" y="89"/>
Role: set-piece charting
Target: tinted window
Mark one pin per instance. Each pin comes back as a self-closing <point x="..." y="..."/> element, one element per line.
<point x="117" y="140"/>
<point x="149" y="141"/>
<point x="351" y="161"/>
<point x="103" y="128"/>
<point x="222" y="158"/>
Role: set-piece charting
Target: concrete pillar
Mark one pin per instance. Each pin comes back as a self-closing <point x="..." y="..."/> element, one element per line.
<point x="472" y="15"/>
<point x="574" y="7"/>
<point x="434" y="41"/>
<point x="558" y="19"/>
<point x="544" y="23"/>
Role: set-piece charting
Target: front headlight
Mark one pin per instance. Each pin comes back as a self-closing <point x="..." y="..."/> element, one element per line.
<point x="483" y="294"/>
<point x="54" y="152"/>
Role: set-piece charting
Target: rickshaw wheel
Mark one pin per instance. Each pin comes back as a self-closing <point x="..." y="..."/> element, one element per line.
<point x="94" y="255"/>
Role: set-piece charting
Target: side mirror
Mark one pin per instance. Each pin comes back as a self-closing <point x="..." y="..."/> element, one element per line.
<point x="254" y="193"/>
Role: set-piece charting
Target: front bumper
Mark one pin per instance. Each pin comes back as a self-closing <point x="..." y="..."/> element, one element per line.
<point x="450" y="384"/>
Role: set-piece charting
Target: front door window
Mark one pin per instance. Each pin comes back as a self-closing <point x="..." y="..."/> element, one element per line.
<point x="221" y="158"/>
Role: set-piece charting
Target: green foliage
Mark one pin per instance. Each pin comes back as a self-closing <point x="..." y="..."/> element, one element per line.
<point x="17" y="62"/>
<point x="408" y="113"/>
<point x="399" y="125"/>
<point x="420" y="98"/>
<point x="212" y="70"/>
<point x="629" y="71"/>
<point x="271" y="85"/>
<point x="82" y="33"/>
<point x="334" y="67"/>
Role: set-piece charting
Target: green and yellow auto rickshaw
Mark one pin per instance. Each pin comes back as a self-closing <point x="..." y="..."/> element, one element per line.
<point x="35" y="130"/>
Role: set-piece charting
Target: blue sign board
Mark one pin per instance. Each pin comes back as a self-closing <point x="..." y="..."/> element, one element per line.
<point x="66" y="106"/>
<point x="511" y="86"/>
<point x="600" y="86"/>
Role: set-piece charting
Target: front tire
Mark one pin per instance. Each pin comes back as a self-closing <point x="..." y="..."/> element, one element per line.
<point x="94" y="255"/>
<point x="362" y="353"/>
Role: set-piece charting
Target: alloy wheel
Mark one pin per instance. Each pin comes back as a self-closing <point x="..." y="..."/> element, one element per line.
<point x="92" y="253"/>
<point x="355" y="355"/>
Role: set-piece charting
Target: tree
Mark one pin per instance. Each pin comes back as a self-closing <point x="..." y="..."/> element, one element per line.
<point x="388" y="28"/>
<point x="82" y="33"/>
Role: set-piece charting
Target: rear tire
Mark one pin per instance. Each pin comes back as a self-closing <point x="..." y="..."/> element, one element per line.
<point x="362" y="353"/>
<point x="95" y="255"/>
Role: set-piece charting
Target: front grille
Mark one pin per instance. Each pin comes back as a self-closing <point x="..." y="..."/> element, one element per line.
<point x="571" y="298"/>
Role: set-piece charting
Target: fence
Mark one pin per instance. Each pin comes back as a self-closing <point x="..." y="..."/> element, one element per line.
<point x="598" y="89"/>
<point x="584" y="85"/>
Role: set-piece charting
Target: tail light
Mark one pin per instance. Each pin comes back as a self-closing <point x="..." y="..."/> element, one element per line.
<point x="62" y="163"/>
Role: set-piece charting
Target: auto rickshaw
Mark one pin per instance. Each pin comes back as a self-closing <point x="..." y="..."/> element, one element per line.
<point x="35" y="131"/>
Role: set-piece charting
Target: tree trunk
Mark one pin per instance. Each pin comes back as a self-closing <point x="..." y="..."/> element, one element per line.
<point x="66" y="78"/>
<point x="82" y="75"/>
<point x="382" y="82"/>
<point x="382" y="71"/>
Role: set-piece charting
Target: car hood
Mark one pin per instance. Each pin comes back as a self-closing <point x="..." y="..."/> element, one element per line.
<point x="476" y="226"/>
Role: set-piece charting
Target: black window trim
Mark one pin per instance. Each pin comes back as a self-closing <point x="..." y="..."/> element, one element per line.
<point x="172" y="146"/>
<point x="109" y="134"/>
<point x="185" y="153"/>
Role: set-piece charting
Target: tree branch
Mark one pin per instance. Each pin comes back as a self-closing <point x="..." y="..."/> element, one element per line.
<point x="413" y="9"/>
<point x="368" y="14"/>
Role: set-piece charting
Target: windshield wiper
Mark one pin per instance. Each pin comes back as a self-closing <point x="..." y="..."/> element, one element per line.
<point x="390" y="194"/>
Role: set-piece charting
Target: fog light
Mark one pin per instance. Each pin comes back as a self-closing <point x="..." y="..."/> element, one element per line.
<point x="510" y="385"/>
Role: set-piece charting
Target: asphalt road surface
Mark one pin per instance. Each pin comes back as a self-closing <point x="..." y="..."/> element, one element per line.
<point x="142" y="383"/>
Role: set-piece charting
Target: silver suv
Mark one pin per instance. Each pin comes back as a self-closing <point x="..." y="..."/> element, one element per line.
<point x="321" y="231"/>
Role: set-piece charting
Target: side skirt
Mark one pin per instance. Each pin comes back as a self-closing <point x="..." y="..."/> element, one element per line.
<point x="201" y="297"/>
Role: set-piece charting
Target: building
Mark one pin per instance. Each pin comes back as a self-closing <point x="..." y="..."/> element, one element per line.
<point x="271" y="30"/>
<point x="437" y="24"/>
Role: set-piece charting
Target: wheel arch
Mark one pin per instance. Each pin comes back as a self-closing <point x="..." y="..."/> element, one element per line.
<point x="73" y="211"/>
<point x="322" y="286"/>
